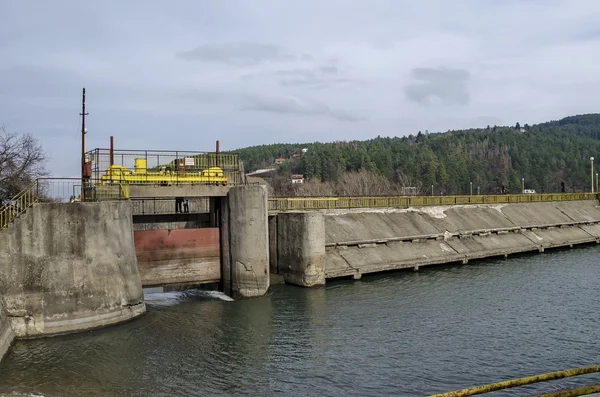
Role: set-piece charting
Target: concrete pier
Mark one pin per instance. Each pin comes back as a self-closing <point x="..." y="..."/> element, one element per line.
<point x="70" y="267"/>
<point x="245" y="242"/>
<point x="6" y="333"/>
<point x="301" y="248"/>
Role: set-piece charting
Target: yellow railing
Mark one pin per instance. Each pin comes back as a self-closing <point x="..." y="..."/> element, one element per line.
<point x="320" y="203"/>
<point x="18" y="204"/>
<point x="582" y="391"/>
<point x="58" y="190"/>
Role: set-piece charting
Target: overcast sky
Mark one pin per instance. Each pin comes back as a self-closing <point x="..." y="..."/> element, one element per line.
<point x="180" y="74"/>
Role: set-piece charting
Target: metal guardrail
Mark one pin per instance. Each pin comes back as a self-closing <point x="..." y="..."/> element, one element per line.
<point x="178" y="163"/>
<point x="530" y="380"/>
<point x="17" y="205"/>
<point x="322" y="203"/>
<point x="58" y="190"/>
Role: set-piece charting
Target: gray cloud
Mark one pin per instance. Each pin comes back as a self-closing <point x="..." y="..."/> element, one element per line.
<point x="447" y="85"/>
<point x="239" y="53"/>
<point x="294" y="105"/>
<point x="352" y="60"/>
<point x="326" y="76"/>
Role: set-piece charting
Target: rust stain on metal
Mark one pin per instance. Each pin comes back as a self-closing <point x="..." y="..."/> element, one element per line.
<point x="160" y="245"/>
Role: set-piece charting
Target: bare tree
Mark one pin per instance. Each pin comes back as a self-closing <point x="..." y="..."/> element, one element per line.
<point x="22" y="160"/>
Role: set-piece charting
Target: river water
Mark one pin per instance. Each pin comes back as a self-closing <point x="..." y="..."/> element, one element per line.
<point x="402" y="334"/>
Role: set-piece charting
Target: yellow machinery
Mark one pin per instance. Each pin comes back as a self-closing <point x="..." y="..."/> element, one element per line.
<point x="165" y="176"/>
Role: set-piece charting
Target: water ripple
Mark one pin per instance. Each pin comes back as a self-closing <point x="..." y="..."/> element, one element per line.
<point x="406" y="334"/>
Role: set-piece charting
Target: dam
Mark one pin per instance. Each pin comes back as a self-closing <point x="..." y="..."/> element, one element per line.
<point x="83" y="265"/>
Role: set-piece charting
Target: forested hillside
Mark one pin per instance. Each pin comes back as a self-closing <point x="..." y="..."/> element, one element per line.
<point x="544" y="155"/>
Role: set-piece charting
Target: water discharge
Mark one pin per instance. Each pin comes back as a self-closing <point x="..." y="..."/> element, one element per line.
<point x="405" y="334"/>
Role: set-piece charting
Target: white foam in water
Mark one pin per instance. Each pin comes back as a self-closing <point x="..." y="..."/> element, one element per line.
<point x="174" y="298"/>
<point x="217" y="295"/>
<point x="164" y="298"/>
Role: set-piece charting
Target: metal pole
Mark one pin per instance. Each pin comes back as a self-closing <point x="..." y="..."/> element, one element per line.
<point x="432" y="190"/>
<point x="217" y="156"/>
<point x="522" y="185"/>
<point x="596" y="182"/>
<point x="592" y="164"/>
<point x="112" y="151"/>
<point x="470" y="188"/>
<point x="83" y="132"/>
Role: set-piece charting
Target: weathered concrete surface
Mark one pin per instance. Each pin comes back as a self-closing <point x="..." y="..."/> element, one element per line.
<point x="70" y="267"/>
<point x="6" y="333"/>
<point x="474" y="247"/>
<point x="170" y="221"/>
<point x="355" y="260"/>
<point x="371" y="240"/>
<point x="140" y="191"/>
<point x="167" y="205"/>
<point x="301" y="248"/>
<point x="248" y="242"/>
<point x="178" y="256"/>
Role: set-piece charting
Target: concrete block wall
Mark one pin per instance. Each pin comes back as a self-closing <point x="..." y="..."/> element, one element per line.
<point x="70" y="267"/>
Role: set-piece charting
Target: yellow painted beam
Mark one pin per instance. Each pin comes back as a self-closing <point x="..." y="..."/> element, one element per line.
<point x="521" y="382"/>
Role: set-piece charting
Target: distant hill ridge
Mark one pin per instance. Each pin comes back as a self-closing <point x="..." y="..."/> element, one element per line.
<point x="544" y="154"/>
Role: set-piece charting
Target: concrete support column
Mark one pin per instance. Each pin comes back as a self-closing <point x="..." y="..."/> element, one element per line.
<point x="301" y="248"/>
<point x="273" y="265"/>
<point x="6" y="333"/>
<point x="246" y="264"/>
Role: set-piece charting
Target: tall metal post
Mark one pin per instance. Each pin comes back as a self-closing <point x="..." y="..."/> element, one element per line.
<point x="522" y="185"/>
<point x="112" y="151"/>
<point x="83" y="132"/>
<point x="592" y="164"/>
<point x="217" y="156"/>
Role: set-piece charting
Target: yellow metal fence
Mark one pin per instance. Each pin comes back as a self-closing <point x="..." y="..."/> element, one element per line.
<point x="19" y="204"/>
<point x="320" y="203"/>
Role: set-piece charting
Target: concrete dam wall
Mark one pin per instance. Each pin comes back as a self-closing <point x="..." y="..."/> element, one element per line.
<point x="358" y="242"/>
<point x="69" y="267"/>
<point x="6" y="334"/>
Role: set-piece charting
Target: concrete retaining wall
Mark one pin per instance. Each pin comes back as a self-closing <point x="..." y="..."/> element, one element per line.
<point x="366" y="241"/>
<point x="373" y="240"/>
<point x="6" y="334"/>
<point x="70" y="267"/>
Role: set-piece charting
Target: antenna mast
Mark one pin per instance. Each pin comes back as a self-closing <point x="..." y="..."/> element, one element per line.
<point x="83" y="132"/>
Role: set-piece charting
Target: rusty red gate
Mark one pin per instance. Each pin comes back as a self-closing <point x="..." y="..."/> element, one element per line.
<point x="178" y="256"/>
